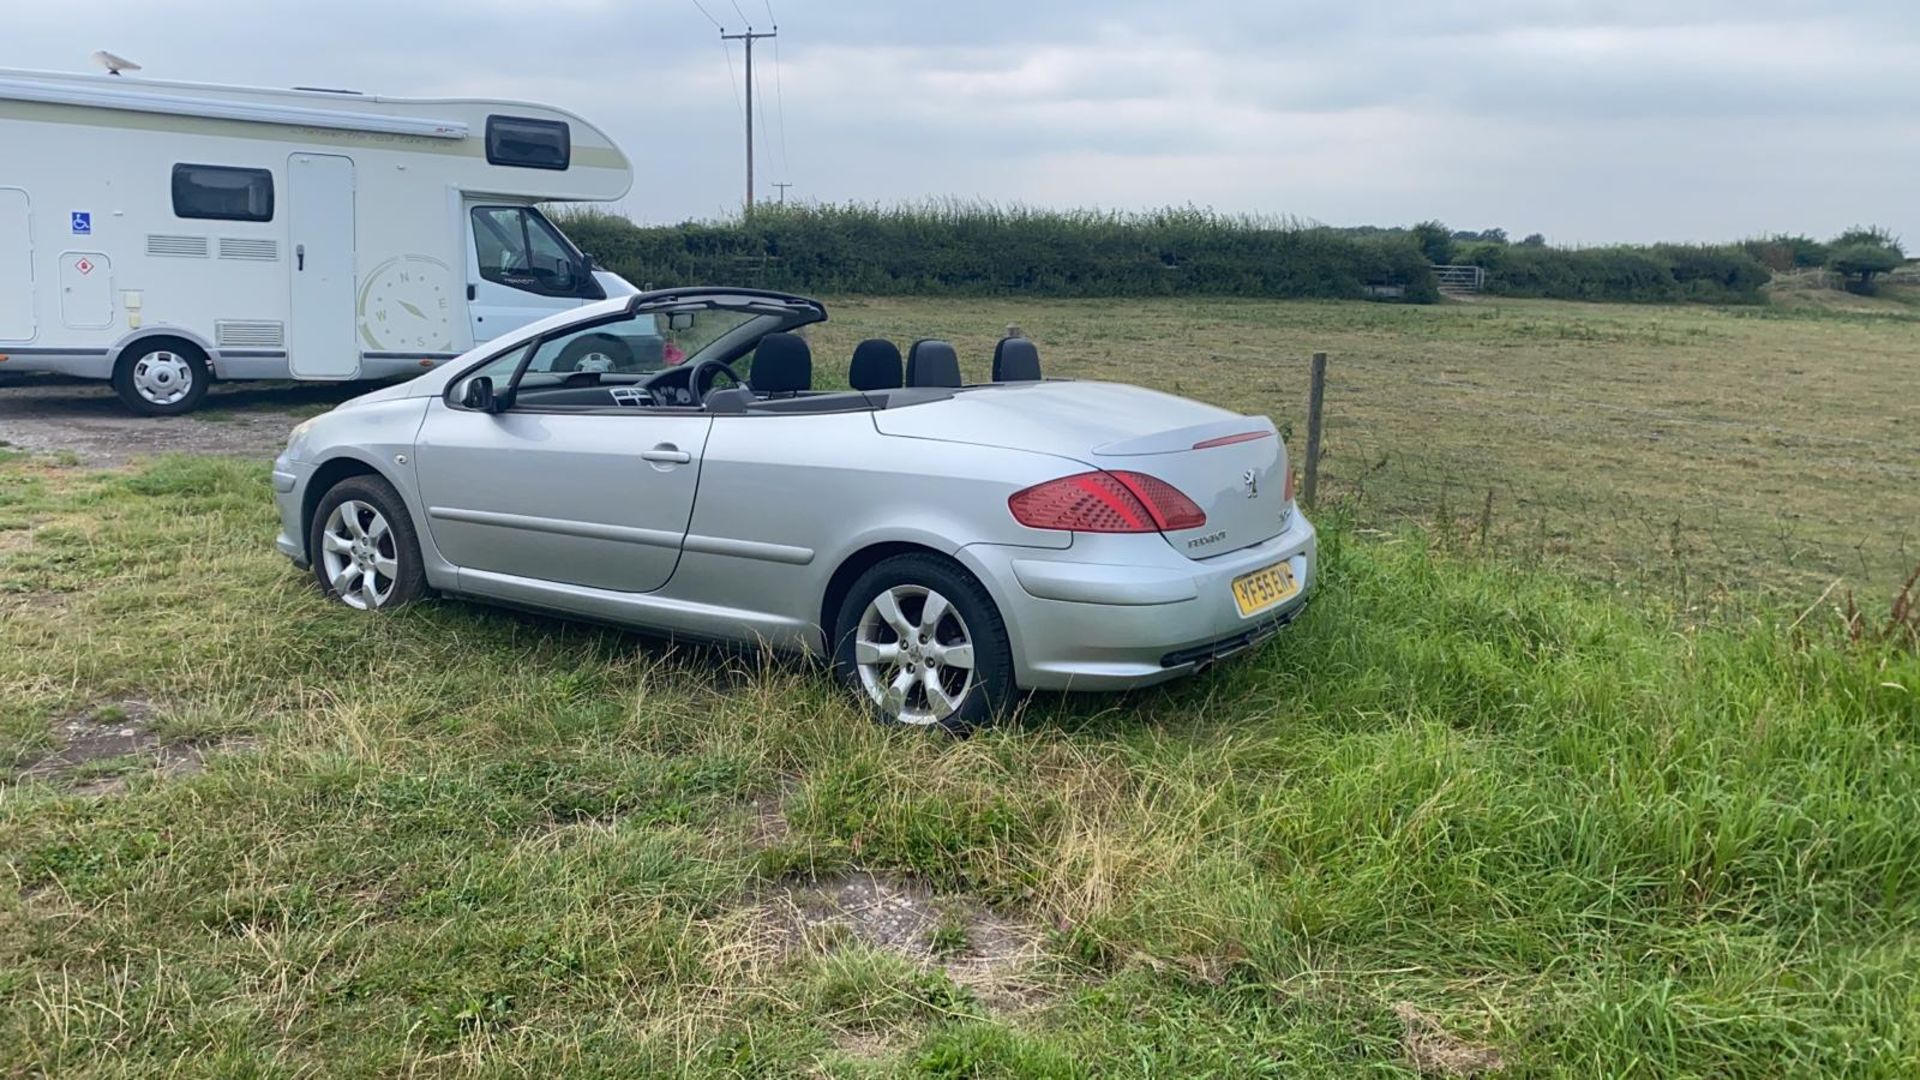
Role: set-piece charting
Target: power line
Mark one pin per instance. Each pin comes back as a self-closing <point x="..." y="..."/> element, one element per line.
<point x="710" y="18"/>
<point x="732" y="83"/>
<point x="780" y="101"/>
<point x="766" y="148"/>
<point x="742" y="14"/>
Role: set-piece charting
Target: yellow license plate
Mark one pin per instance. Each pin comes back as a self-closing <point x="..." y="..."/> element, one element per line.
<point x="1260" y="590"/>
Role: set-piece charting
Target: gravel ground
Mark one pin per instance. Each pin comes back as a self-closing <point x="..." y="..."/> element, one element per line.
<point x="46" y="414"/>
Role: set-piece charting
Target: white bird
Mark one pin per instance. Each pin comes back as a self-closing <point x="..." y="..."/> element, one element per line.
<point x="114" y="64"/>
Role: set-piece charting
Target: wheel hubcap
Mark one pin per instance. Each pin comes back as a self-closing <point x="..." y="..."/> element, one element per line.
<point x="162" y="377"/>
<point x="358" y="553"/>
<point x="595" y="362"/>
<point x="914" y="654"/>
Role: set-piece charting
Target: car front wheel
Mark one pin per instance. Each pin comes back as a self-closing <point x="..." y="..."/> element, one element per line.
<point x="921" y="642"/>
<point x="365" y="553"/>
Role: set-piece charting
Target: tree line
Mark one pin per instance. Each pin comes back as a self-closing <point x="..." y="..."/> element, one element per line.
<point x="974" y="248"/>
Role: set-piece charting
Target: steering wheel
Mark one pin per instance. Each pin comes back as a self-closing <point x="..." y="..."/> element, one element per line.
<point x="701" y="376"/>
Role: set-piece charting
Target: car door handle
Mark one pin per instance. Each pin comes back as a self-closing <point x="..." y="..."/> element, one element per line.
<point x="666" y="454"/>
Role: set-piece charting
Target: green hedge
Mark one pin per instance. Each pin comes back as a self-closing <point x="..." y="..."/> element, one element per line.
<point x="1657" y="273"/>
<point x="981" y="249"/>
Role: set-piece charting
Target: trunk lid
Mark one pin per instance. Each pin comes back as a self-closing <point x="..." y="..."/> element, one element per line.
<point x="1235" y="470"/>
<point x="1233" y="467"/>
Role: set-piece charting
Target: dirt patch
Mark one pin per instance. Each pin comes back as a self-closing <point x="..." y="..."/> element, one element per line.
<point x="1432" y="1051"/>
<point x="100" y="749"/>
<point x="46" y="414"/>
<point x="994" y="957"/>
<point x="866" y="1045"/>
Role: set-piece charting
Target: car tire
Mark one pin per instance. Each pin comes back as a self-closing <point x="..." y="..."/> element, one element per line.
<point x="595" y="352"/>
<point x="161" y="378"/>
<point x="364" y="551"/>
<point x="916" y="673"/>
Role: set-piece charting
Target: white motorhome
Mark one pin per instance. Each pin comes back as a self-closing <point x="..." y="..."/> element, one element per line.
<point x="163" y="234"/>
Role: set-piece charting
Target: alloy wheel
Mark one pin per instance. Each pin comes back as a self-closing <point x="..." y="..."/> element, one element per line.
<point x="914" y="654"/>
<point x="358" y="552"/>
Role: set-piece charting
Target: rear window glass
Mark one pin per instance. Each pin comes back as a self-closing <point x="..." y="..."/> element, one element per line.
<point x="528" y="143"/>
<point x="222" y="192"/>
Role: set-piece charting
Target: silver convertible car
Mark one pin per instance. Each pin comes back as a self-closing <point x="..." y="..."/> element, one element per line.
<point x="665" y="462"/>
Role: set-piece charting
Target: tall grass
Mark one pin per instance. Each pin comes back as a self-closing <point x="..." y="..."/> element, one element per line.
<point x="469" y="841"/>
<point x="977" y="248"/>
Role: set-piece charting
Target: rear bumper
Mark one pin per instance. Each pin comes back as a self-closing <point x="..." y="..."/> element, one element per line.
<point x="1118" y="612"/>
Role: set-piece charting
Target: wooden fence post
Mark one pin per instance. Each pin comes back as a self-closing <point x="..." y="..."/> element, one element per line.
<point x="1316" y="397"/>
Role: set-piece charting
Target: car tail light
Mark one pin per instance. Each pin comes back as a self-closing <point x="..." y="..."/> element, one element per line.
<point x="1107" y="502"/>
<point x="1287" y="494"/>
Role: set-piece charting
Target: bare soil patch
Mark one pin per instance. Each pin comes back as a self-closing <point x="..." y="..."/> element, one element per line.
<point x="121" y="734"/>
<point x="992" y="956"/>
<point x="47" y="414"/>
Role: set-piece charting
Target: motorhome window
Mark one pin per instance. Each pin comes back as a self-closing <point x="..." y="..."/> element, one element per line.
<point x="222" y="192"/>
<point x="529" y="144"/>
<point x="517" y="247"/>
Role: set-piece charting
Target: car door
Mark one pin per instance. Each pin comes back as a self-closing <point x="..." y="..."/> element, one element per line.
<point x="599" y="498"/>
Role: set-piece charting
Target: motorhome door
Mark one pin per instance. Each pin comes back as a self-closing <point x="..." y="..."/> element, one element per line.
<point x="322" y="322"/>
<point x="16" y="267"/>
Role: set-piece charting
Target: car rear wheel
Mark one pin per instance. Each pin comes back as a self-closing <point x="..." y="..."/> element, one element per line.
<point x="920" y="641"/>
<point x="365" y="553"/>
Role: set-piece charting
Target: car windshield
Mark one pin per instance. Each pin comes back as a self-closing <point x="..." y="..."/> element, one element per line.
<point x="642" y="344"/>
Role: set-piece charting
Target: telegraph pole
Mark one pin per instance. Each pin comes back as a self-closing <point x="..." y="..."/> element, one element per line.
<point x="749" y="37"/>
<point x="783" y="185"/>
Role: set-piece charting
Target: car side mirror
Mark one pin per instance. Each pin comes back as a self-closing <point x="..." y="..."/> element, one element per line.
<point x="479" y="395"/>
<point x="680" y="320"/>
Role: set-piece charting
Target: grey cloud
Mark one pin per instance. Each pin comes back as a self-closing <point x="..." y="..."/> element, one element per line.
<point x="1588" y="120"/>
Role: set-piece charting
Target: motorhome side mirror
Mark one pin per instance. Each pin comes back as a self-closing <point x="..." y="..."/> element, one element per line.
<point x="479" y="394"/>
<point x="680" y="320"/>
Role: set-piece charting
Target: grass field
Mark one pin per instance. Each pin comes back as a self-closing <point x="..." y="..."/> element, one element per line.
<point x="1478" y="812"/>
<point x="1461" y="818"/>
<point x="1769" y="450"/>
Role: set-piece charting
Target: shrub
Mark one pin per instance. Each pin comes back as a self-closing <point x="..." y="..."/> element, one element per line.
<point x="1663" y="272"/>
<point x="1870" y="236"/>
<point x="1434" y="241"/>
<point x="1783" y="252"/>
<point x="980" y="248"/>
<point x="1859" y="263"/>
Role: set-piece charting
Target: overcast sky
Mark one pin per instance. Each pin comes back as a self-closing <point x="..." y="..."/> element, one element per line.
<point x="1588" y="121"/>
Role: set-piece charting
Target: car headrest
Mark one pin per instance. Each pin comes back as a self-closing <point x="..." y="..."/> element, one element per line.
<point x="1016" y="359"/>
<point x="932" y="363"/>
<point x="875" y="366"/>
<point x="782" y="364"/>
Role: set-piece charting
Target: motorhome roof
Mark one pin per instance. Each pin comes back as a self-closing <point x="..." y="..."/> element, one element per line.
<point x="317" y="117"/>
<point x="132" y="96"/>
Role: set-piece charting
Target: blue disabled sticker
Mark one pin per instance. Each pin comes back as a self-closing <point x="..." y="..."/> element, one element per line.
<point x="82" y="223"/>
